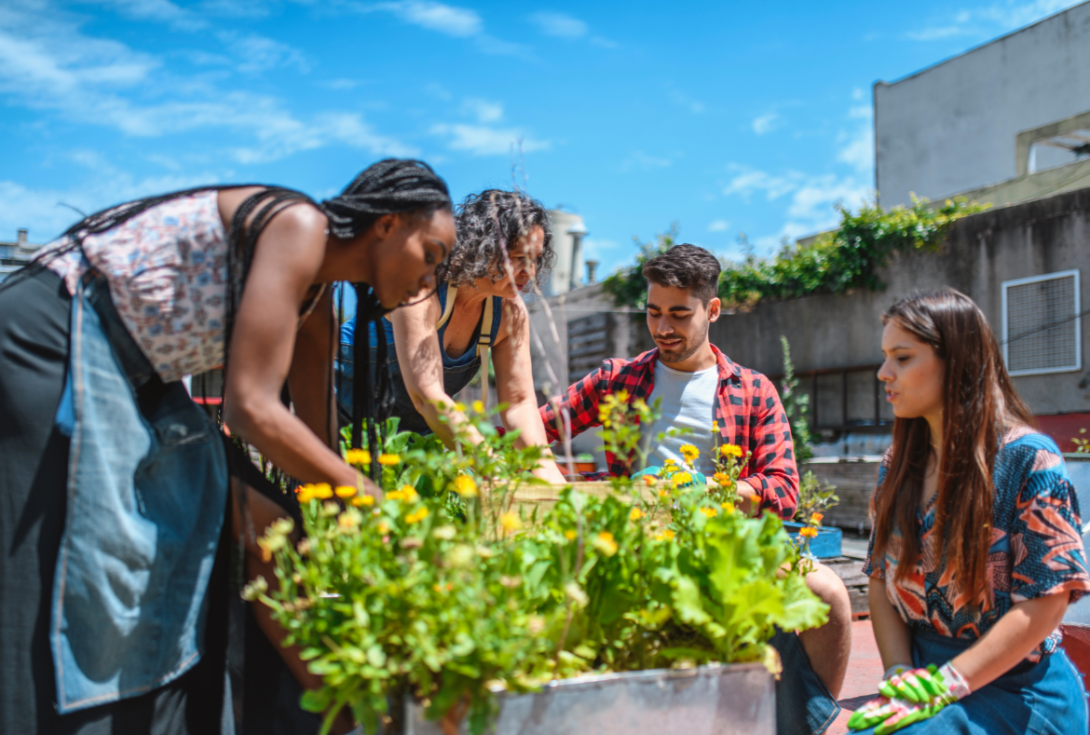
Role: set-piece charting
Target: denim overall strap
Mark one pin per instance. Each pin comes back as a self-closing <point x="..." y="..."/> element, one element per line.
<point x="146" y="495"/>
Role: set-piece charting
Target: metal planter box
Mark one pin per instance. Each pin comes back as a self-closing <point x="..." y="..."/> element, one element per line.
<point x="710" y="700"/>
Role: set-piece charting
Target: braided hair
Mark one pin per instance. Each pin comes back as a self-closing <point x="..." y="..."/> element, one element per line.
<point x="489" y="225"/>
<point x="387" y="187"/>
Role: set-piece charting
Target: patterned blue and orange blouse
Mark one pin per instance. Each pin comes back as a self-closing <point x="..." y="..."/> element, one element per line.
<point x="1036" y="547"/>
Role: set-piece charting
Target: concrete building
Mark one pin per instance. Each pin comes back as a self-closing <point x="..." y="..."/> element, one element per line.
<point x="568" y="233"/>
<point x="1004" y="123"/>
<point x="14" y="255"/>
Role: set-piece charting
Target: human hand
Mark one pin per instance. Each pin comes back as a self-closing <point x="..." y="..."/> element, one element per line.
<point x="910" y="696"/>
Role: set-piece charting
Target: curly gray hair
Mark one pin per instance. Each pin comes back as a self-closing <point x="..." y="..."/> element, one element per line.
<point x="489" y="224"/>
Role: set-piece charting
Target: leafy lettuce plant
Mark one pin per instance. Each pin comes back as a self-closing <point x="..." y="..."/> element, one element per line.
<point x="447" y="590"/>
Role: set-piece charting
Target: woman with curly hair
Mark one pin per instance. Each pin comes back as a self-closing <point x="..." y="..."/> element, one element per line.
<point x="976" y="549"/>
<point x="504" y="244"/>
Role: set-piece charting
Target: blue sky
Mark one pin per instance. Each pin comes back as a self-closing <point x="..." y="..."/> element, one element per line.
<point x="725" y="117"/>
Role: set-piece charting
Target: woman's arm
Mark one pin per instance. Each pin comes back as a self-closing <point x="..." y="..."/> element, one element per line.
<point x="311" y="374"/>
<point x="285" y="263"/>
<point x="515" y="385"/>
<point x="890" y="632"/>
<point x="418" y="354"/>
<point x="1011" y="639"/>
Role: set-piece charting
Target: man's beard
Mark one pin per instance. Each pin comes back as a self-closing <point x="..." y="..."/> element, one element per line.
<point x="684" y="352"/>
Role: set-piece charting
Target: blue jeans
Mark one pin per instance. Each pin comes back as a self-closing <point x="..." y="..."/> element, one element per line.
<point x="804" y="705"/>
<point x="147" y="489"/>
<point x="1031" y="699"/>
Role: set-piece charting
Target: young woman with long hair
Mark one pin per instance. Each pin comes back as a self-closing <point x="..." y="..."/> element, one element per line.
<point x="114" y="484"/>
<point x="976" y="550"/>
<point x="504" y="246"/>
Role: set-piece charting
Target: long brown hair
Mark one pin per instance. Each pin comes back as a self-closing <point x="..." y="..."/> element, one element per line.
<point x="979" y="404"/>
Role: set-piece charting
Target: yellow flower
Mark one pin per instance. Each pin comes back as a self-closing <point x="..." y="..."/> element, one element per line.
<point x="730" y="450"/>
<point x="709" y="512"/>
<point x="383" y="528"/>
<point x="604" y="543"/>
<point x="348" y="520"/>
<point x="406" y="494"/>
<point x="723" y="479"/>
<point x="570" y="535"/>
<point x="666" y="535"/>
<point x="689" y="452"/>
<point x="510" y="521"/>
<point x="728" y="506"/>
<point x="664" y="494"/>
<point x="388" y="459"/>
<point x="459" y="406"/>
<point x="808" y="532"/>
<point x="816" y="518"/>
<point x="417" y="515"/>
<point x="344" y="491"/>
<point x="465" y="486"/>
<point x="322" y="491"/>
<point x="635" y="515"/>
<point x="681" y="478"/>
<point x="715" y="427"/>
<point x="357" y="456"/>
<point x="304" y="493"/>
<point x="478" y="406"/>
<point x="649" y="480"/>
<point x="622" y="396"/>
<point x="670" y="463"/>
<point x="363" y="500"/>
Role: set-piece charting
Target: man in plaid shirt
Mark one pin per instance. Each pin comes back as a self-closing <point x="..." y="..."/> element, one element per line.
<point x="698" y="384"/>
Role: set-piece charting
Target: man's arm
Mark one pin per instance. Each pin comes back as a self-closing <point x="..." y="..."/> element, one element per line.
<point x="774" y="477"/>
<point x="581" y="402"/>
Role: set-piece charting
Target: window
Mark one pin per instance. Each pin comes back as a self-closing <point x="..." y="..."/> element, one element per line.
<point x="1041" y="324"/>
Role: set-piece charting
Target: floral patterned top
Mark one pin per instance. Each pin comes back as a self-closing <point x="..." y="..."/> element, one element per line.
<point x="1036" y="547"/>
<point x="167" y="270"/>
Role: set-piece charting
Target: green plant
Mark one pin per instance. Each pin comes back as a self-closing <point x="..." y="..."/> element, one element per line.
<point x="1082" y="445"/>
<point x="797" y="407"/>
<point x="448" y="590"/>
<point x="846" y="258"/>
<point x="815" y="497"/>
<point x="833" y="263"/>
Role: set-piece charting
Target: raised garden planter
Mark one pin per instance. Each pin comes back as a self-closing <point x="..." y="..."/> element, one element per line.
<point x="710" y="700"/>
<point x="826" y="545"/>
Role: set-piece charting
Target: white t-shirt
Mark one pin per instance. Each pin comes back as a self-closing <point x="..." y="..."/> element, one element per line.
<point x="688" y="401"/>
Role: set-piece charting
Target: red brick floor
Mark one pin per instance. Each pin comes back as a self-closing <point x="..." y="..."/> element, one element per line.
<point x="864" y="672"/>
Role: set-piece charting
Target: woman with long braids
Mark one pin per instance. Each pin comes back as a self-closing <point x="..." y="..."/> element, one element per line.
<point x="114" y="484"/>
<point x="504" y="246"/>
<point x="976" y="550"/>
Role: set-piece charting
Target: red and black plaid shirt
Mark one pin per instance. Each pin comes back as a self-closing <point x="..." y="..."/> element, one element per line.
<point x="749" y="413"/>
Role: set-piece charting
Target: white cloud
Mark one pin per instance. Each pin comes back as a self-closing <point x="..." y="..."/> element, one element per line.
<point x="560" y="25"/>
<point x="642" y="162"/>
<point x="48" y="63"/>
<point x="719" y="225"/>
<point x="857" y="149"/>
<point x="486" y="111"/>
<point x="747" y="181"/>
<point x="482" y="140"/>
<point x="258" y="53"/>
<point x="811" y="206"/>
<point x="766" y="123"/>
<point x="988" y="20"/>
<point x="680" y="98"/>
<point x="434" y="16"/>
<point x="162" y="11"/>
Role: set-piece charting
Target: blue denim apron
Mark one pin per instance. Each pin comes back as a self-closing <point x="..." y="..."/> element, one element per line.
<point x="458" y="372"/>
<point x="1043" y="698"/>
<point x="147" y="490"/>
<point x="804" y="705"/>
